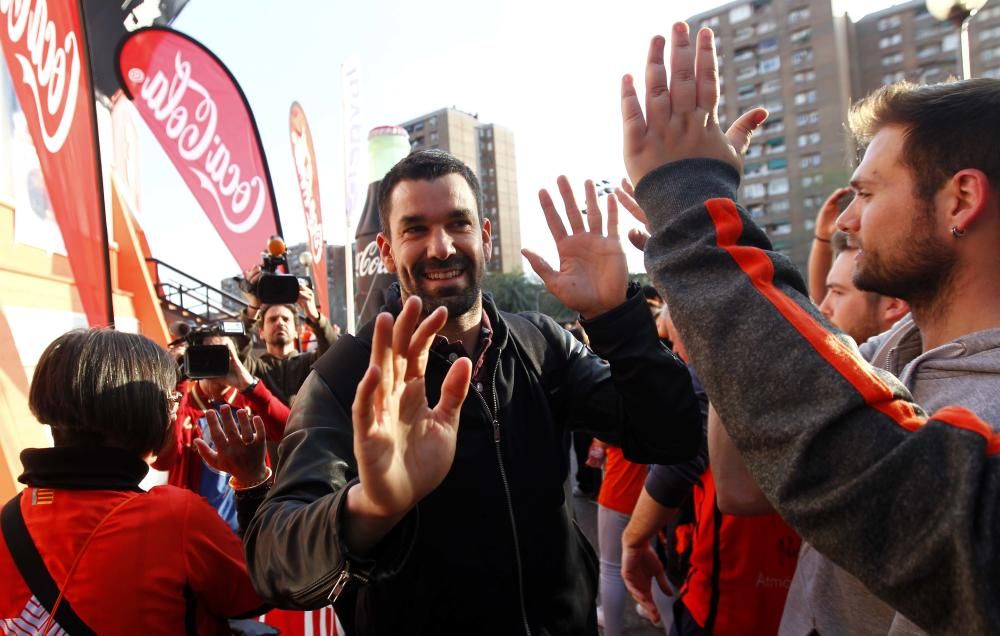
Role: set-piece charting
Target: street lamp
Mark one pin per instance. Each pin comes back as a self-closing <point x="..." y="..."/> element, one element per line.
<point x="958" y="12"/>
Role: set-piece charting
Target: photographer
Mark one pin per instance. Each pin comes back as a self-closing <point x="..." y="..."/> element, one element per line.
<point x="283" y="368"/>
<point x="238" y="389"/>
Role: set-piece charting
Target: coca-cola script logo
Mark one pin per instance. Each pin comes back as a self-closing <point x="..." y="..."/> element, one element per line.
<point x="304" y="167"/>
<point x="370" y="261"/>
<point x="190" y="117"/>
<point x="51" y="68"/>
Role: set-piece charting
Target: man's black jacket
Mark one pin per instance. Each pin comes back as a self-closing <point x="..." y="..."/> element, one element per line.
<point x="452" y="565"/>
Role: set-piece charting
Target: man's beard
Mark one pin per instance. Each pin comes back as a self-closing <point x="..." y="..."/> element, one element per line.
<point x="456" y="299"/>
<point x="918" y="271"/>
<point x="279" y="339"/>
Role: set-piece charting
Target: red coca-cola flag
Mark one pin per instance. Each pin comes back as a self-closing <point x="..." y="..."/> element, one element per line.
<point x="201" y="118"/>
<point x="305" y="168"/>
<point x="45" y="46"/>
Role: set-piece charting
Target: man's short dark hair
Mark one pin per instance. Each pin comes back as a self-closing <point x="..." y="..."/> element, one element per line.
<point x="101" y="387"/>
<point x="949" y="127"/>
<point x="424" y="165"/>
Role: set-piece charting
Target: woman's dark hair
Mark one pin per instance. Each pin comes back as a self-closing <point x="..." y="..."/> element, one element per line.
<point x="100" y="387"/>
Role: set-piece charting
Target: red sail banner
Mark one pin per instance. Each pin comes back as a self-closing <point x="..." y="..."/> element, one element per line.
<point x="305" y="168"/>
<point x="201" y="118"/>
<point x="45" y="47"/>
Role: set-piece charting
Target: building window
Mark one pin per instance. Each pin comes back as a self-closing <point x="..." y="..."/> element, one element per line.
<point x="810" y="161"/>
<point x="774" y="106"/>
<point x="804" y="76"/>
<point x="890" y="40"/>
<point x="805" y="97"/>
<point x="808" y="139"/>
<point x="753" y="170"/>
<point x="711" y="22"/>
<point x="774" y="165"/>
<point x="774" y="125"/>
<point x="774" y="145"/>
<point x="756" y="211"/>
<point x="417" y="127"/>
<point x="780" y="229"/>
<point x="802" y="35"/>
<point x="434" y="137"/>
<point x="754" y="190"/>
<point x="770" y="86"/>
<point x="950" y="42"/>
<point x="892" y="22"/>
<point x="798" y="15"/>
<point x="743" y="55"/>
<point x="805" y="56"/>
<point x="777" y="186"/>
<point x="990" y="54"/>
<point x="746" y="91"/>
<point x="928" y="50"/>
<point x="989" y="34"/>
<point x="746" y="73"/>
<point x="739" y="13"/>
<point x="766" y="27"/>
<point x="812" y="180"/>
<point x="770" y="64"/>
<point x="432" y="123"/>
<point x="892" y="60"/>
<point x="743" y="33"/>
<point x="993" y="72"/>
<point x="892" y="78"/>
<point x="778" y="207"/>
<point x="755" y="150"/>
<point x="808" y="118"/>
<point x="767" y="45"/>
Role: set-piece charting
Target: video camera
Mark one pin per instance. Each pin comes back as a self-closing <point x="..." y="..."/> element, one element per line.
<point x="273" y="287"/>
<point x="207" y="361"/>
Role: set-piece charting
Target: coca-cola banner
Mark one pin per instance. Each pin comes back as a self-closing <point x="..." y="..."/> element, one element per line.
<point x="201" y="118"/>
<point x="45" y="47"/>
<point x="305" y="168"/>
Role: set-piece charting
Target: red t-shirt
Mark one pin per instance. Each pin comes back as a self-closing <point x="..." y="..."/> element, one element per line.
<point x="741" y="568"/>
<point x="622" y="482"/>
<point x="141" y="567"/>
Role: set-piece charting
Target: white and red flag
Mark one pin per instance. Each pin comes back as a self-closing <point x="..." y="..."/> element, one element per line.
<point x="201" y="118"/>
<point x="45" y="46"/>
<point x="304" y="156"/>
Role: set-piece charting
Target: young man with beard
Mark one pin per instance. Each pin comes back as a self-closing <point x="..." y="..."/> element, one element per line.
<point x="905" y="502"/>
<point x="415" y="524"/>
<point x="282" y="367"/>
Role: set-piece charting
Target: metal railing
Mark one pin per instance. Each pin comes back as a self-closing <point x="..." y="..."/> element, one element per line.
<point x="203" y="302"/>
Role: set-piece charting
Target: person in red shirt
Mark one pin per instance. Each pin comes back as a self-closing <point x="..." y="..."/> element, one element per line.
<point x="117" y="560"/>
<point x="238" y="389"/>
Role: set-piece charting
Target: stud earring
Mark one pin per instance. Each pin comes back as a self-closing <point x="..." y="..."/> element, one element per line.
<point x="957" y="232"/>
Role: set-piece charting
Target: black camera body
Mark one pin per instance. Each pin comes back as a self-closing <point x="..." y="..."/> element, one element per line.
<point x="273" y="287"/>
<point x="208" y="361"/>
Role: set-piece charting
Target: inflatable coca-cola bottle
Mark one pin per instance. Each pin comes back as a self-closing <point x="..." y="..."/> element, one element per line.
<point x="387" y="145"/>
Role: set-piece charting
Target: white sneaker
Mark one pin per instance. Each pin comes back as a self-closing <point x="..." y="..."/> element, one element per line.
<point x="641" y="611"/>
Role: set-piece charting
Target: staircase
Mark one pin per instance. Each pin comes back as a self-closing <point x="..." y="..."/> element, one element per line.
<point x="184" y="297"/>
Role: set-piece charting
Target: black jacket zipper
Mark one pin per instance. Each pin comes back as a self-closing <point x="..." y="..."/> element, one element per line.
<point x="494" y="415"/>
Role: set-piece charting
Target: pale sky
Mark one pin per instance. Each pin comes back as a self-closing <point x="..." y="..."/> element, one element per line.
<point x="548" y="70"/>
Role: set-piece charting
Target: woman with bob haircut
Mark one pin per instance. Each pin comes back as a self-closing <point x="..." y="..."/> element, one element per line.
<point x="84" y="550"/>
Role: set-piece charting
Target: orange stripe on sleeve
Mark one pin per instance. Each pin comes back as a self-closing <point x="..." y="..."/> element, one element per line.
<point x="756" y="264"/>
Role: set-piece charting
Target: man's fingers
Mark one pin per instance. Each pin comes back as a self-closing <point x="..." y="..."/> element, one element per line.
<point x="707" y="72"/>
<point x="382" y="355"/>
<point x="229" y="427"/>
<point x="215" y="428"/>
<point x="245" y="427"/>
<point x="658" y="107"/>
<point x="210" y="456"/>
<point x="627" y="187"/>
<point x="638" y="239"/>
<point x="539" y="265"/>
<point x="682" y="84"/>
<point x="569" y="201"/>
<point x="259" y="432"/>
<point x="363" y="408"/>
<point x="453" y="391"/>
<point x="555" y="223"/>
<point x="627" y="199"/>
<point x="420" y="343"/>
<point x="633" y="122"/>
<point x="594" y="221"/>
<point x="743" y="128"/>
<point x="402" y="332"/>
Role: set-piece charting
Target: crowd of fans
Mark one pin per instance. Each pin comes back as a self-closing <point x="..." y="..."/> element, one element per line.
<point x="777" y="458"/>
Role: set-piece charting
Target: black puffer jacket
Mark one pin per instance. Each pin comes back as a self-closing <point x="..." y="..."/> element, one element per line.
<point x="456" y="564"/>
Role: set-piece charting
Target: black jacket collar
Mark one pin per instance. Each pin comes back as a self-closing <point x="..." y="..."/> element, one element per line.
<point x="394" y="305"/>
<point x="82" y="468"/>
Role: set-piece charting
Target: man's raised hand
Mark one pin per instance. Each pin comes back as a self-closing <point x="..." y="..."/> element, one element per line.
<point x="681" y="120"/>
<point x="592" y="277"/>
<point x="403" y="447"/>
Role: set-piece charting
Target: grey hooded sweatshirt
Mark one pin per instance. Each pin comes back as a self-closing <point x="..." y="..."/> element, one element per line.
<point x="907" y="503"/>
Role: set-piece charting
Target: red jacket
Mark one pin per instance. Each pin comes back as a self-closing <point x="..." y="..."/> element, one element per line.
<point x="741" y="568"/>
<point x="161" y="562"/>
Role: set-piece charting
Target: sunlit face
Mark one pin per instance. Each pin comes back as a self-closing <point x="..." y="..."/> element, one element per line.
<point x="853" y="311"/>
<point x="436" y="244"/>
<point x="278" y="327"/>
<point x="904" y="251"/>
